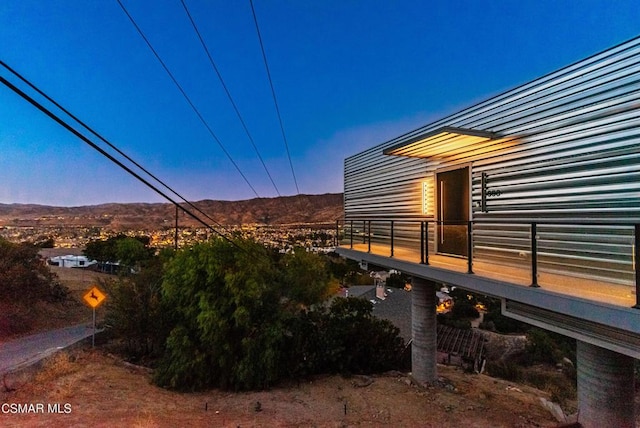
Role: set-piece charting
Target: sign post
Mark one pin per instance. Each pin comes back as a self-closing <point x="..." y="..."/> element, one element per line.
<point x="94" y="298"/>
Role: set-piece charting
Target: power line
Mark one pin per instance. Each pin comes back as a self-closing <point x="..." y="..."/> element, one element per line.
<point x="224" y="86"/>
<point x="77" y="133"/>
<point x="186" y="97"/>
<point x="87" y="127"/>
<point x="273" y="93"/>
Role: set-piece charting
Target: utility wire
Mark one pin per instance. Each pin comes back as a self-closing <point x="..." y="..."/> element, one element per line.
<point x="87" y="127"/>
<point x="186" y="97"/>
<point x="273" y="93"/>
<point x="75" y="132"/>
<point x="224" y="86"/>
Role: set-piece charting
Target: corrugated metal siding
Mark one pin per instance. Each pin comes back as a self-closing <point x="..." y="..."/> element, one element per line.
<point x="570" y="151"/>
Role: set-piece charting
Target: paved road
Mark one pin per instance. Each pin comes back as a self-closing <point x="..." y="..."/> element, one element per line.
<point x="28" y="350"/>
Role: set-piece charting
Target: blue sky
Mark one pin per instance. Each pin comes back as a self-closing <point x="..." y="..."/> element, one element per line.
<point x="348" y="75"/>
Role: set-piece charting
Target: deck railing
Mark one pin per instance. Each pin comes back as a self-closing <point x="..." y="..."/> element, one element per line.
<point x="599" y="249"/>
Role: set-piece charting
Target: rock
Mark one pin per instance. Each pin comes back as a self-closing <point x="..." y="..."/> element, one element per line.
<point x="362" y="381"/>
<point x="555" y="409"/>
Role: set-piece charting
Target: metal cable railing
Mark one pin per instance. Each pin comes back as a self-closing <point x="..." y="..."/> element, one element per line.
<point x="582" y="248"/>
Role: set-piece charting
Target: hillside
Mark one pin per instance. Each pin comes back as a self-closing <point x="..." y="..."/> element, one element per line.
<point x="297" y="209"/>
<point x="100" y="390"/>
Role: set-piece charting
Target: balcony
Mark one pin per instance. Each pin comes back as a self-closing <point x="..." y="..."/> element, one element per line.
<point x="593" y="261"/>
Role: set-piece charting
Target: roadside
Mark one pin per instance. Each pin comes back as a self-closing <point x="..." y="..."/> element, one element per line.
<point x="23" y="352"/>
<point x="39" y="316"/>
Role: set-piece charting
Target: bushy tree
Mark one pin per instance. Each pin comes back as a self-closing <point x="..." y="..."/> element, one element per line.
<point x="24" y="280"/>
<point x="304" y="277"/>
<point x="344" y="338"/>
<point x="135" y="310"/>
<point x="397" y="280"/>
<point x="360" y="342"/>
<point x="245" y="318"/>
<point x="127" y="250"/>
<point x="229" y="329"/>
<point x="24" y="277"/>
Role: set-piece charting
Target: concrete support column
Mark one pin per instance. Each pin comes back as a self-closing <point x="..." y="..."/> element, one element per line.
<point x="423" y="331"/>
<point x="605" y="388"/>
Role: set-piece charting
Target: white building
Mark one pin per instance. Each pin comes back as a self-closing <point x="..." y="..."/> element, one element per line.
<point x="71" y="261"/>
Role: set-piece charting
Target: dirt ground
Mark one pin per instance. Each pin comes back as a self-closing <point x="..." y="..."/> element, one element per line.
<point x="93" y="389"/>
<point x="79" y="280"/>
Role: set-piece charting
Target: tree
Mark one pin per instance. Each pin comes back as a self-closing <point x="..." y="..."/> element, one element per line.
<point x="229" y="329"/>
<point x="396" y="280"/>
<point x="243" y="317"/>
<point x="304" y="277"/>
<point x="131" y="252"/>
<point x="113" y="249"/>
<point x="24" y="280"/>
<point x="24" y="277"/>
<point x="345" y="338"/>
<point x="136" y="312"/>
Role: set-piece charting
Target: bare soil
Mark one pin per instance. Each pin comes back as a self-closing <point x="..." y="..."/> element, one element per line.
<point x="99" y="390"/>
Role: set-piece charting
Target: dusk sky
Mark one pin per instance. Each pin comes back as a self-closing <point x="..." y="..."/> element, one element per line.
<point x="347" y="75"/>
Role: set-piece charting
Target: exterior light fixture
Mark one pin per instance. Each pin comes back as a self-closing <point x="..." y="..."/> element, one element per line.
<point x="428" y="195"/>
<point x="444" y="140"/>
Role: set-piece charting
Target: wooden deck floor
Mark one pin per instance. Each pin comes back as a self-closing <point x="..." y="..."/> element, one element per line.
<point x="601" y="291"/>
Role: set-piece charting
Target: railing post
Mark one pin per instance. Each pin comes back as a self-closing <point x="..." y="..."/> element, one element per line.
<point x="422" y="242"/>
<point x="351" y="236"/>
<point x="364" y="231"/>
<point x="534" y="255"/>
<point x="369" y="237"/>
<point x="426" y="242"/>
<point x="636" y="252"/>
<point x="469" y="247"/>
<point x="391" y="238"/>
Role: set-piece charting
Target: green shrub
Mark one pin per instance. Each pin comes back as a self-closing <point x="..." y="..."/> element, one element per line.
<point x="464" y="309"/>
<point x="549" y="348"/>
<point x="449" y="320"/>
<point x="502" y="324"/>
<point x="507" y="370"/>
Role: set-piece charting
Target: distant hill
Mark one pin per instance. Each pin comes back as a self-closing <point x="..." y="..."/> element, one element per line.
<point x="297" y="209"/>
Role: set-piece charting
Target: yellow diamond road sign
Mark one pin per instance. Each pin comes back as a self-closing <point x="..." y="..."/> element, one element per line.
<point x="94" y="297"/>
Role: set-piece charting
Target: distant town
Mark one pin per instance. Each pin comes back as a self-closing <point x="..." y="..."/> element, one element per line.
<point x="280" y="237"/>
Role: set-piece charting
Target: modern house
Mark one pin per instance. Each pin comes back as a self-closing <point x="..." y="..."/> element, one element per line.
<point x="532" y="196"/>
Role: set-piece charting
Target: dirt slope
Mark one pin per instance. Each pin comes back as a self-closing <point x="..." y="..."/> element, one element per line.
<point x="99" y="391"/>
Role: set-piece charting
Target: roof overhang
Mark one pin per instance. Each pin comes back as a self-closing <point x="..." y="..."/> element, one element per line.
<point x="445" y="140"/>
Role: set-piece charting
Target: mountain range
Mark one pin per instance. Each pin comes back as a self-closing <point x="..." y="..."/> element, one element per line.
<point x="299" y="209"/>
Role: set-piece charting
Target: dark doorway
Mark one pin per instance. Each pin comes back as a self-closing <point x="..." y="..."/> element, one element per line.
<point x="452" y="189"/>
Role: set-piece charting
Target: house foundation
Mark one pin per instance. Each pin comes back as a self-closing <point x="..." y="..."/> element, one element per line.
<point x="605" y="387"/>
<point x="424" y="331"/>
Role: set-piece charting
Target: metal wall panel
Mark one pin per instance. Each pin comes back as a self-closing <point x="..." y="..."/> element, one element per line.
<point x="569" y="150"/>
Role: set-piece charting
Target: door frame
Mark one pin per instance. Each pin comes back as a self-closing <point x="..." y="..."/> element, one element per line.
<point x="438" y="204"/>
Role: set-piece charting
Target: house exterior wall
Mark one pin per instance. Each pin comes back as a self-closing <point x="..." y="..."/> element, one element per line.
<point x="569" y="151"/>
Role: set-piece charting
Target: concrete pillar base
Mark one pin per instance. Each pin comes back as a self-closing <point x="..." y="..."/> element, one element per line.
<point x="424" y="329"/>
<point x="605" y="388"/>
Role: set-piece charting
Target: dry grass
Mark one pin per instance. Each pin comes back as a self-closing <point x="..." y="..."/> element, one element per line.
<point x="103" y="393"/>
<point x="33" y="317"/>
